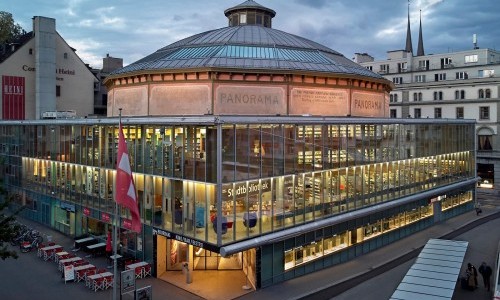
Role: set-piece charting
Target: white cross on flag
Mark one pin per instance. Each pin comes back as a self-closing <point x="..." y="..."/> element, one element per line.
<point x="126" y="194"/>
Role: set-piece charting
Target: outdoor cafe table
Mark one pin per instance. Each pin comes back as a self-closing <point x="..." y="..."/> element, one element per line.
<point x="140" y="264"/>
<point x="96" y="248"/>
<point x="79" y="276"/>
<point x="47" y="252"/>
<point x="62" y="262"/>
<point x="112" y="259"/>
<point x="58" y="255"/>
<point x="84" y="242"/>
<point x="90" y="279"/>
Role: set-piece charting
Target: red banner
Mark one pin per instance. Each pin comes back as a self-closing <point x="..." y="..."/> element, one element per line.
<point x="13" y="98"/>
<point x="126" y="195"/>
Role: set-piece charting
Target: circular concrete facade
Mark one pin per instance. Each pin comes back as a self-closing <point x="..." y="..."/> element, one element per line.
<point x="247" y="68"/>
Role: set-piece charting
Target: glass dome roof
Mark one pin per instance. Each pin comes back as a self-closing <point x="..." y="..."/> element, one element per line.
<point x="247" y="47"/>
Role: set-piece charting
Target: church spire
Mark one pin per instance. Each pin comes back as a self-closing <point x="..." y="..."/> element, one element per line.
<point x="409" y="47"/>
<point x="420" y="49"/>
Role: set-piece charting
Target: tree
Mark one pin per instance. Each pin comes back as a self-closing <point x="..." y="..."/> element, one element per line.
<point x="8" y="29"/>
<point x="7" y="232"/>
<point x="7" y="228"/>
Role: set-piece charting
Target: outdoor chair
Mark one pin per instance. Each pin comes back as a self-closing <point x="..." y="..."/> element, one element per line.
<point x="250" y="220"/>
<point x="223" y="225"/>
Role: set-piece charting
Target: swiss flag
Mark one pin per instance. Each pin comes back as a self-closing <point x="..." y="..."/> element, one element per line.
<point x="126" y="194"/>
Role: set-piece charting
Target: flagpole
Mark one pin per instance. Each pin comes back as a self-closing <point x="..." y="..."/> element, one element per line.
<point x="115" y="225"/>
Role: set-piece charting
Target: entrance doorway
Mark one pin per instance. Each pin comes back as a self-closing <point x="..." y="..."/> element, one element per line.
<point x="172" y="254"/>
<point x="207" y="260"/>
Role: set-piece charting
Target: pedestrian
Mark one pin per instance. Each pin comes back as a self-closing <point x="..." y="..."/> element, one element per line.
<point x="471" y="273"/>
<point x="478" y="208"/>
<point x="485" y="271"/>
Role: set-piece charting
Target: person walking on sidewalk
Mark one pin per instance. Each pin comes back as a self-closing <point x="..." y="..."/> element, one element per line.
<point x="471" y="273"/>
<point x="478" y="208"/>
<point x="485" y="272"/>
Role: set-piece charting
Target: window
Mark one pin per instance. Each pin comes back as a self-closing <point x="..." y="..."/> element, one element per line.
<point x="402" y="67"/>
<point x="440" y="77"/>
<point x="31" y="51"/>
<point x="461" y="75"/>
<point x="369" y="68"/>
<point x="397" y="80"/>
<point x="484" y="112"/>
<point x="420" y="78"/>
<point x="417" y="96"/>
<point x="393" y="113"/>
<point x="437" y="113"/>
<point x="58" y="91"/>
<point x="471" y="58"/>
<point x="243" y="19"/>
<point x="423" y="65"/>
<point x="438" y="95"/>
<point x="417" y="112"/>
<point x="484" y="142"/>
<point x="481" y="94"/>
<point x="65" y="55"/>
<point x="384" y="68"/>
<point x="487" y="94"/>
<point x="446" y="62"/>
<point x="460" y="112"/>
<point x="393" y="98"/>
<point x="486" y="73"/>
<point x="460" y="94"/>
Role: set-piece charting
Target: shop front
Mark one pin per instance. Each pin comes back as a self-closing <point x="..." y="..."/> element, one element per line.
<point x="65" y="218"/>
<point x="176" y="255"/>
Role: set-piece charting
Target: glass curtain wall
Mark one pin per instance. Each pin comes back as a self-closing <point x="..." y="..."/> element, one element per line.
<point x="273" y="175"/>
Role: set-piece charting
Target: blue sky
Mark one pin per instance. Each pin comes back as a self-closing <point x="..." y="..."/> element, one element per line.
<point x="133" y="29"/>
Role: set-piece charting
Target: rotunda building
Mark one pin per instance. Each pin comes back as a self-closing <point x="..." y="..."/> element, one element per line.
<point x="247" y="68"/>
<point x="266" y="156"/>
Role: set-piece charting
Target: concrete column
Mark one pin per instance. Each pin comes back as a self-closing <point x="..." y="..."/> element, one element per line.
<point x="45" y="64"/>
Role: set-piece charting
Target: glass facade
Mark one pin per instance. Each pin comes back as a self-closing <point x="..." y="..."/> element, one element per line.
<point x="221" y="181"/>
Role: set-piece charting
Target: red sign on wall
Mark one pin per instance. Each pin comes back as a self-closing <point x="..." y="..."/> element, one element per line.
<point x="127" y="224"/>
<point x="13" y="98"/>
<point x="105" y="217"/>
<point x="86" y="211"/>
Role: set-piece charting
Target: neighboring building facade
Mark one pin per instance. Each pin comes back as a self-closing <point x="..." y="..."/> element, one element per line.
<point x="253" y="150"/>
<point x="454" y="85"/>
<point x="109" y="64"/>
<point x="42" y="74"/>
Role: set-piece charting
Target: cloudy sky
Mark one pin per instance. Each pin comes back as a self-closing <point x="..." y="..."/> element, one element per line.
<point x="133" y="29"/>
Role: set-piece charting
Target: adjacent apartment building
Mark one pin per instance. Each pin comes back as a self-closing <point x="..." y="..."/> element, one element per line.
<point x="43" y="77"/>
<point x="454" y="85"/>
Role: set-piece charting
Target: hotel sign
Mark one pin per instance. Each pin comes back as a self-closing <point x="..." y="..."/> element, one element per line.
<point x="185" y="239"/>
<point x="13" y="98"/>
